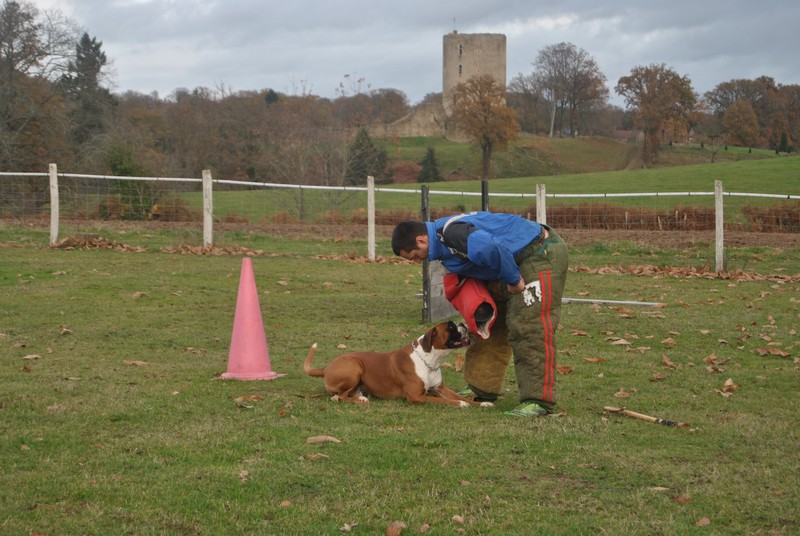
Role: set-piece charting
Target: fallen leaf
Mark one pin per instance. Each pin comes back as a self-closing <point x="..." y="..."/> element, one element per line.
<point x="137" y="295"/>
<point x="658" y="377"/>
<point x="284" y="504"/>
<point x="669" y="341"/>
<point x="249" y="398"/>
<point x="243" y="474"/>
<point x="31" y="357"/>
<point x="134" y="363"/>
<point x="619" y="341"/>
<point x="667" y="362"/>
<point x="563" y="369"/>
<point x="424" y="528"/>
<point x="316" y="456"/>
<point x="704" y="522"/>
<point x="241" y="401"/>
<point x="594" y="359"/>
<point x="622" y="393"/>
<point x="457" y="519"/>
<point x="773" y="351"/>
<point x="395" y="528"/>
<point x="682" y="500"/>
<point x="322" y="439"/>
<point x="729" y="386"/>
<point x="579" y="333"/>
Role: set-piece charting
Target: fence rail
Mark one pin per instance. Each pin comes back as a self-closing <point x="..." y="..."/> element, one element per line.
<point x="72" y="197"/>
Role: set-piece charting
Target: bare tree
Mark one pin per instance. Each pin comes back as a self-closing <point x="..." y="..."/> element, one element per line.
<point x="479" y="109"/>
<point x="570" y="81"/>
<point x="35" y="48"/>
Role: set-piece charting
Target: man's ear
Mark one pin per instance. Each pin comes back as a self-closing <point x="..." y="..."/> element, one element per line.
<point x="422" y="240"/>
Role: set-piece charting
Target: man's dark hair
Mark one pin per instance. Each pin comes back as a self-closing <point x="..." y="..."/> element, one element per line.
<point x="404" y="237"/>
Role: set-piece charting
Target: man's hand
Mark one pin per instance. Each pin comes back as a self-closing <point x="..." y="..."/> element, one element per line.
<point x="516" y="289"/>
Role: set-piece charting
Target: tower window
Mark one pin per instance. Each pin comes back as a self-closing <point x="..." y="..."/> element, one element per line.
<point x="460" y="49"/>
<point x="460" y="70"/>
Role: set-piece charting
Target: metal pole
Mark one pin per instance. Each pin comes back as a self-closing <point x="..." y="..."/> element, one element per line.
<point x="425" y="211"/>
<point x="614" y="302"/>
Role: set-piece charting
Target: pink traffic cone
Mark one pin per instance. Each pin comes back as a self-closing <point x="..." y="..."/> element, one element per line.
<point x="249" y="356"/>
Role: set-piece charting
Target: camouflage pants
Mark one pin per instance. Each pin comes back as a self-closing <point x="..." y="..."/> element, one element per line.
<point x="525" y="327"/>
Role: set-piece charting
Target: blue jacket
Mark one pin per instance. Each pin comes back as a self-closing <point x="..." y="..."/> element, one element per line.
<point x="491" y="248"/>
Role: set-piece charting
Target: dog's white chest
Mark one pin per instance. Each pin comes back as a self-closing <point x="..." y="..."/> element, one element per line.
<point x="427" y="368"/>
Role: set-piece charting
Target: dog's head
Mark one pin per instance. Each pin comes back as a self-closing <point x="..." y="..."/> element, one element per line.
<point x="446" y="336"/>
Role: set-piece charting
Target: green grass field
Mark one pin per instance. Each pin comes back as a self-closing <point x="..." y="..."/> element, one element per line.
<point x="780" y="176"/>
<point x="112" y="421"/>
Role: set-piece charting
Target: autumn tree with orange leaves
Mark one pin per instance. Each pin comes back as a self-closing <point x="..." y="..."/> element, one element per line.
<point x="660" y="98"/>
<point x="480" y="112"/>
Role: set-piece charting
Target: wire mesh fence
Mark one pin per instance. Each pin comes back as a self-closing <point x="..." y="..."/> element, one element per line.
<point x="77" y="204"/>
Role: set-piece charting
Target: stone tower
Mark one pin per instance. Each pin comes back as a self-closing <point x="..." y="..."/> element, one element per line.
<point x="468" y="55"/>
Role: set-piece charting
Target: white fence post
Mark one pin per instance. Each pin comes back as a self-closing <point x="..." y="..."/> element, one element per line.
<point x="541" y="205"/>
<point x="54" y="207"/>
<point x="208" y="210"/>
<point x="719" y="226"/>
<point x="371" y="218"/>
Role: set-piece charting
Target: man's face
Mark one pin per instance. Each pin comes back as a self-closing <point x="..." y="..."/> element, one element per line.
<point x="419" y="253"/>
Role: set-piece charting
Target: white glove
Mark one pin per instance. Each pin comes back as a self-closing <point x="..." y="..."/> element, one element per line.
<point x="530" y="297"/>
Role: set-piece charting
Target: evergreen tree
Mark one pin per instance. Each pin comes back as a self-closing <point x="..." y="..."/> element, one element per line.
<point x="88" y="100"/>
<point x="430" y="169"/>
<point x="364" y="159"/>
<point x="784" y="146"/>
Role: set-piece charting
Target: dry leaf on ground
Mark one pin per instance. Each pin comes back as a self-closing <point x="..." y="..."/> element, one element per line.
<point x="322" y="439"/>
<point x="594" y="359"/>
<point x="395" y="528"/>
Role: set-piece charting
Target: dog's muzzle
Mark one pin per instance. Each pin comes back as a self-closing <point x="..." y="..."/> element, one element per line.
<point x="460" y="337"/>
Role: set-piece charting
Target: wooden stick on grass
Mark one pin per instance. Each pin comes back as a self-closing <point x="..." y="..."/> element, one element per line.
<point x="648" y="418"/>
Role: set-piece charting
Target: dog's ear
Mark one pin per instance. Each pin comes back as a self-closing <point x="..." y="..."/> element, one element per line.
<point x="427" y="340"/>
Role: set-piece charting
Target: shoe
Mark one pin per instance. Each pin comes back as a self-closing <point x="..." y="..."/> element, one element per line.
<point x="528" y="409"/>
<point x="466" y="392"/>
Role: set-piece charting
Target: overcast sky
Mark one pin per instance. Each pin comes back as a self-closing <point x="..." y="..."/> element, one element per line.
<point x="308" y="46"/>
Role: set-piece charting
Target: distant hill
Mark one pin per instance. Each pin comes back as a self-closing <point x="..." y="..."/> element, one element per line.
<point x="539" y="156"/>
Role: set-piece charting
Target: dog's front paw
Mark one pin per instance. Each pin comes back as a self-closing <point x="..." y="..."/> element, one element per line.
<point x="463" y="404"/>
<point x="487" y="404"/>
<point x="363" y="400"/>
<point x="335" y="398"/>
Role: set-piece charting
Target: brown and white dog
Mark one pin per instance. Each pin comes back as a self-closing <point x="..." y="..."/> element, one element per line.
<point x="412" y="372"/>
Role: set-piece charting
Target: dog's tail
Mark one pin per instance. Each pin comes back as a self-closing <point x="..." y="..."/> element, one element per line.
<point x="315" y="372"/>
